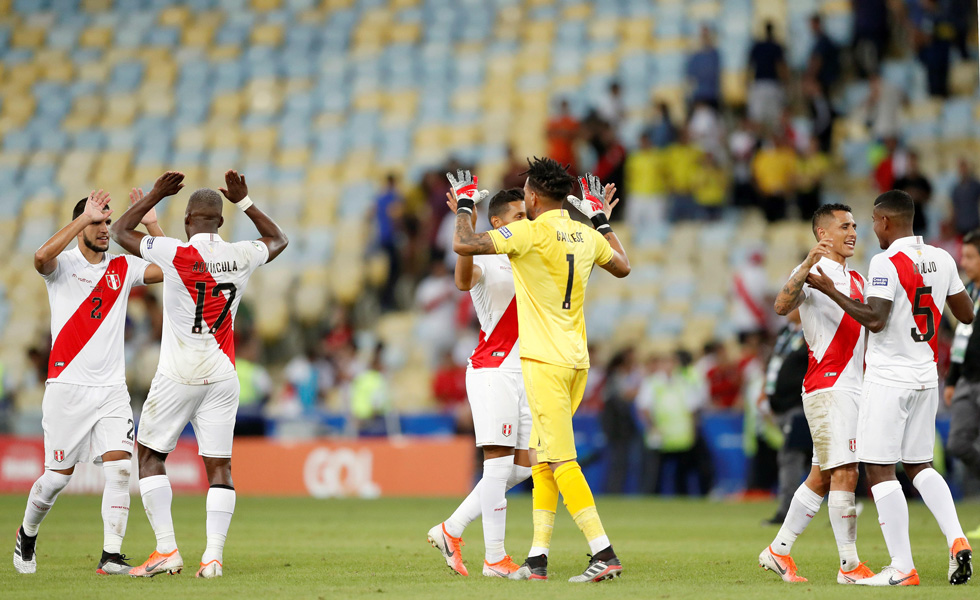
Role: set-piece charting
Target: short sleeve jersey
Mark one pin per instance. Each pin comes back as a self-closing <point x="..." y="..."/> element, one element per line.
<point x="88" y="317"/>
<point x="496" y="309"/>
<point x="918" y="279"/>
<point x="203" y="283"/>
<point x="552" y="257"/>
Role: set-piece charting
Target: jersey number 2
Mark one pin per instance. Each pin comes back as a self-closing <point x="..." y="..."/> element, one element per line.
<point x="567" y="304"/>
<point x="923" y="311"/>
<point x="202" y="296"/>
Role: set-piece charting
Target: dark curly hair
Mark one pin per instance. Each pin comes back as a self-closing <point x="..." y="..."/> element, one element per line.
<point x="549" y="178"/>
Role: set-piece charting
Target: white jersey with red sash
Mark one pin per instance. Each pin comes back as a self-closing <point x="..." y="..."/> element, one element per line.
<point x="918" y="279"/>
<point x="834" y="338"/>
<point x="496" y="309"/>
<point x="88" y="317"/>
<point x="203" y="283"/>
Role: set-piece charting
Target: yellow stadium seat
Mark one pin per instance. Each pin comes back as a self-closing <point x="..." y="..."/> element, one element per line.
<point x="370" y="100"/>
<point x="358" y="166"/>
<point x="600" y="63"/>
<point x="604" y="29"/>
<point x="23" y="75"/>
<point x="175" y="16"/>
<point x="27" y="37"/>
<point x="577" y="11"/>
<point x="261" y="141"/>
<point x="295" y="157"/>
<point x="704" y="11"/>
<point x="157" y="100"/>
<point x="223" y="53"/>
<point x="97" y="6"/>
<point x="263" y="96"/>
<point x="404" y="33"/>
<point x="120" y="110"/>
<point x="267" y="34"/>
<point x="198" y="35"/>
<point x="227" y="105"/>
<point x="265" y="5"/>
<point x="96" y="37"/>
<point x="94" y="71"/>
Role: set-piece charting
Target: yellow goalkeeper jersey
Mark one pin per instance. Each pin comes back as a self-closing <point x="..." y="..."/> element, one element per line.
<point x="552" y="258"/>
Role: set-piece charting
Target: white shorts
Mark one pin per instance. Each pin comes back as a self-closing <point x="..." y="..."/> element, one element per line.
<point x="501" y="416"/>
<point x="833" y="419"/>
<point x="897" y="424"/>
<point x="81" y="423"/>
<point x="210" y="409"/>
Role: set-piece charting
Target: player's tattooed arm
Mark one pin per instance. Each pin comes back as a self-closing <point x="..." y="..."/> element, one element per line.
<point x="124" y="232"/>
<point x="619" y="266"/>
<point x="467" y="242"/>
<point x="466" y="273"/>
<point x="873" y="315"/>
<point x="791" y="296"/>
<point x="46" y="257"/>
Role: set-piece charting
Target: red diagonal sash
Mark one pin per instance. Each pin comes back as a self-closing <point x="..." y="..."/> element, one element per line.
<point x="83" y="324"/>
<point x="493" y="349"/>
<point x="824" y="373"/>
<point x="184" y="261"/>
<point x="910" y="279"/>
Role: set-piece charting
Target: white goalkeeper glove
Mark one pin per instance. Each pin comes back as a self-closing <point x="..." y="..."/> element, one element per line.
<point x="592" y="202"/>
<point x="465" y="191"/>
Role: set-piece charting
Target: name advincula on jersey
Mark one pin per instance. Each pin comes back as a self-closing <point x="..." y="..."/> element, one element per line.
<point x="215" y="267"/>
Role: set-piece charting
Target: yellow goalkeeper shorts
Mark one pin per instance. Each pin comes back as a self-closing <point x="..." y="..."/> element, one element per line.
<point x="553" y="394"/>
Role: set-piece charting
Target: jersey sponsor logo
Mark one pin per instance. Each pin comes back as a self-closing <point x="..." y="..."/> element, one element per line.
<point x="113" y="281"/>
<point x="879" y="281"/>
<point x="259" y="245"/>
<point x="505" y="232"/>
<point x="507" y="429"/>
<point x="59" y="455"/>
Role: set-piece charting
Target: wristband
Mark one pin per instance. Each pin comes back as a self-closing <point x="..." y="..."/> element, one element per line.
<point x="465" y="205"/>
<point x="244" y="203"/>
<point x="601" y="223"/>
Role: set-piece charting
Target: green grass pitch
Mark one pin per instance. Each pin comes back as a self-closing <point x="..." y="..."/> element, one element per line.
<point x="304" y="548"/>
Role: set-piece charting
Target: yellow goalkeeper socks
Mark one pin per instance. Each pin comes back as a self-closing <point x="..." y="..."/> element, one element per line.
<point x="581" y="504"/>
<point x="545" y="503"/>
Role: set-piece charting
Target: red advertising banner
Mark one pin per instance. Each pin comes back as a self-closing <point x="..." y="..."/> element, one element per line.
<point x="325" y="468"/>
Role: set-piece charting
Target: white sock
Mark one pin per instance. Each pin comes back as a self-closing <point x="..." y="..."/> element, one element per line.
<point x="470" y="508"/>
<point x="843" y="519"/>
<point x="599" y="544"/>
<point x="801" y="511"/>
<point x="115" y="503"/>
<point x="157" y="497"/>
<point x="493" y="504"/>
<point x="893" y="516"/>
<point x="220" y="507"/>
<point x="43" y="494"/>
<point x="935" y="493"/>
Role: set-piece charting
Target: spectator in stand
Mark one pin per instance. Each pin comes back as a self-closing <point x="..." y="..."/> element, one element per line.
<point x="934" y="32"/>
<point x="610" y="166"/>
<point x="646" y="182"/>
<point x="773" y="171"/>
<point x="823" y="65"/>
<point x="388" y="210"/>
<point x="704" y="72"/>
<point x="761" y="436"/>
<point x="880" y="110"/>
<point x="623" y="380"/>
<point x="742" y="146"/>
<point x="722" y="375"/>
<point x="706" y="129"/>
<point x="255" y="385"/>
<point x="966" y="199"/>
<point x="870" y="34"/>
<point x="812" y="166"/>
<point x="669" y="402"/>
<point x="449" y="391"/>
<point x="883" y="158"/>
<point x="611" y="108"/>
<point x="436" y="297"/>
<point x="711" y="192"/>
<point x="822" y="114"/>
<point x="751" y="295"/>
<point x="916" y="185"/>
<point x="683" y="159"/>
<point x="371" y="405"/>
<point x="514" y="176"/>
<point x="769" y="75"/>
<point x="662" y="131"/>
<point x="562" y="132"/>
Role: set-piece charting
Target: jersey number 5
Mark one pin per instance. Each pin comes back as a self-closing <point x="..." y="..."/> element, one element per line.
<point x="923" y="311"/>
<point x="202" y="297"/>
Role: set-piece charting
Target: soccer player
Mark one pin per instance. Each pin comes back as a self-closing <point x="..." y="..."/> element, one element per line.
<point x="204" y="280"/>
<point x="831" y="389"/>
<point x="552" y="257"/>
<point x="495" y="388"/>
<point x="907" y="286"/>
<point x="86" y="413"/>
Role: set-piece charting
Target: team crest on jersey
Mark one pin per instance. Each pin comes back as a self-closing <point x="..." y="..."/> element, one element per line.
<point x="59" y="455"/>
<point x="112" y="279"/>
<point x="505" y="232"/>
<point x="507" y="429"/>
<point x="852" y="445"/>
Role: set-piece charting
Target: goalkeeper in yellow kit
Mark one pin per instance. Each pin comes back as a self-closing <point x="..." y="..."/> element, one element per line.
<point x="552" y="256"/>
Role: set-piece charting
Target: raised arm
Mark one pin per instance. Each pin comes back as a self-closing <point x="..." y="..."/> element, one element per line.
<point x="962" y="307"/>
<point x="597" y="203"/>
<point x="466" y="274"/>
<point x="873" y="315"/>
<point x="149" y="220"/>
<point x="237" y="193"/>
<point x="46" y="257"/>
<point x="791" y="296"/>
<point x="123" y="231"/>
<point x="466" y="241"/>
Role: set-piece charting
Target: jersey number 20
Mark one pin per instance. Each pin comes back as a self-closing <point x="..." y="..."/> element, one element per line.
<point x="202" y="298"/>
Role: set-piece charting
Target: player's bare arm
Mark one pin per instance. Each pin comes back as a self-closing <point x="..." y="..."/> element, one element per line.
<point x="123" y="231"/>
<point x="791" y="296"/>
<point x="46" y="257"/>
<point x="873" y="315"/>
<point x="466" y="274"/>
<point x="272" y="236"/>
<point x="466" y="241"/>
<point x="153" y="273"/>
<point x="962" y="307"/>
<point x="597" y="203"/>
